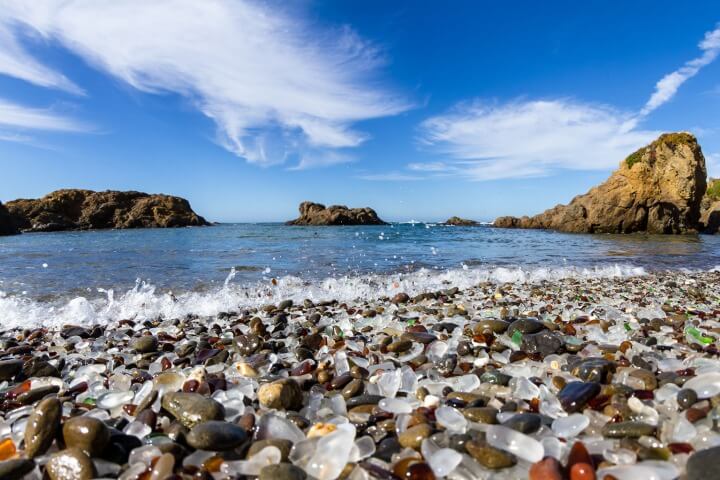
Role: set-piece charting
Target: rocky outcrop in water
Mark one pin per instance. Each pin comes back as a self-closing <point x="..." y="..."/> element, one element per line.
<point x="461" y="222"/>
<point x="88" y="210"/>
<point x="657" y="189"/>
<point x="7" y="226"/>
<point x="710" y="207"/>
<point x="318" y="214"/>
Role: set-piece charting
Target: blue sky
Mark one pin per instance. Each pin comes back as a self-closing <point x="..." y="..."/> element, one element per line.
<point x="419" y="109"/>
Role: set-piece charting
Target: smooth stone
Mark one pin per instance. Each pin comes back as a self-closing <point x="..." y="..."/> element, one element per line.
<point x="494" y="325"/>
<point x="525" y="326"/>
<point x="705" y="385"/>
<point x="495" y="377"/>
<point x="70" y="464"/>
<point x="86" y="433"/>
<point x="42" y="427"/>
<point x="524" y="422"/>
<point x="280" y="443"/>
<point x="545" y="343"/>
<point x="283" y="394"/>
<point x="353" y="388"/>
<point x="647" y="377"/>
<point x="413" y="436"/>
<point x="144" y="344"/>
<point x="400" y="346"/>
<point x="481" y="414"/>
<point x="490" y="457"/>
<point x="546" y="469"/>
<point x="364" y="400"/>
<point x="282" y="471"/>
<point x="39" y="368"/>
<point x="28" y="398"/>
<point x="686" y="398"/>
<point x="575" y="395"/>
<point x="627" y="429"/>
<point x="216" y="436"/>
<point x="9" y="368"/>
<point x="594" y="370"/>
<point x="704" y="464"/>
<point x="582" y="471"/>
<point x="163" y="467"/>
<point x="192" y="408"/>
<point x="16" y="469"/>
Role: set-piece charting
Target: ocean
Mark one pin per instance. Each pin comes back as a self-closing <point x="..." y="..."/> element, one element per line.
<point x="95" y="276"/>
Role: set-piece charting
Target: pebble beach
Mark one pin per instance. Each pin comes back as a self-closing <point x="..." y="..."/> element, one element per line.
<point x="576" y="378"/>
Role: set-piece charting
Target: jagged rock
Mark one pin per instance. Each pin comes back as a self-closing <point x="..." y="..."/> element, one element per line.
<point x="318" y="214"/>
<point x="87" y="210"/>
<point x="461" y="222"/>
<point x="7" y="225"/>
<point x="710" y="207"/>
<point x="657" y="189"/>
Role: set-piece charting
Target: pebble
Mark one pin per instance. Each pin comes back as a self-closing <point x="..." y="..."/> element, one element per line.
<point x="575" y="395"/>
<point x="490" y="457"/>
<point x="192" y="408"/>
<point x="686" y="398"/>
<point x="627" y="429"/>
<point x="282" y="471"/>
<point x="42" y="427"/>
<point x="282" y="394"/>
<point x="704" y="464"/>
<point x="216" y="436"/>
<point x="16" y="469"/>
<point x="527" y="423"/>
<point x="144" y="344"/>
<point x="413" y="436"/>
<point x="546" y="469"/>
<point x="87" y="434"/>
<point x="70" y="464"/>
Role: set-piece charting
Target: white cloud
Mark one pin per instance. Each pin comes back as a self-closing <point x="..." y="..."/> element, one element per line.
<point x="19" y="117"/>
<point x="529" y="138"/>
<point x="322" y="159"/>
<point x="249" y="66"/>
<point x="16" y="62"/>
<point x="667" y="86"/>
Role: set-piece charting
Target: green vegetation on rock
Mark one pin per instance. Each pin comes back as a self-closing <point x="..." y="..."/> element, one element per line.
<point x="713" y="189"/>
<point x="635" y="157"/>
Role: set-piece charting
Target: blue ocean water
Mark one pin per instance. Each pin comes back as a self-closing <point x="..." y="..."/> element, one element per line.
<point x="52" y="266"/>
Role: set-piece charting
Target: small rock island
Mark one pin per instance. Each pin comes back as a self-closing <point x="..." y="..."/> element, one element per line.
<point x="72" y="209"/>
<point x="461" y="222"/>
<point x="317" y="214"/>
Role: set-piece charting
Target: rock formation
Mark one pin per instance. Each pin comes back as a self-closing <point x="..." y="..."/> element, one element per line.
<point x="657" y="189"/>
<point x="461" y="222"/>
<point x="7" y="226"/>
<point x="710" y="207"/>
<point x="86" y="210"/>
<point x="318" y="214"/>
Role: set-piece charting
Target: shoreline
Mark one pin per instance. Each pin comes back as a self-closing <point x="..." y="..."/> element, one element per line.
<point x="618" y="371"/>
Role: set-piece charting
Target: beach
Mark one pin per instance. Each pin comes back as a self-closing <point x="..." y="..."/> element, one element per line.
<point x="614" y="376"/>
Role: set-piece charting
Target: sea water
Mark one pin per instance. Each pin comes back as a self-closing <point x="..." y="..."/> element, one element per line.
<point x="96" y="276"/>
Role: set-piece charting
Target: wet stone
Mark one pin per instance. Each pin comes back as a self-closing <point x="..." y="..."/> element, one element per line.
<point x="704" y="464"/>
<point x="594" y="370"/>
<point x="627" y="429"/>
<point x="216" y="436"/>
<point x="282" y="471"/>
<point x="495" y="326"/>
<point x="686" y="398"/>
<point x="280" y="443"/>
<point x="489" y="457"/>
<point x="282" y="394"/>
<point x="86" y="433"/>
<point x="15" y="469"/>
<point x="575" y="395"/>
<point x="524" y="423"/>
<point x="9" y="368"/>
<point x="144" y="344"/>
<point x="413" y="436"/>
<point x="544" y="343"/>
<point x="192" y="408"/>
<point x="525" y="326"/>
<point x="486" y="415"/>
<point x="70" y="464"/>
<point x="42" y="427"/>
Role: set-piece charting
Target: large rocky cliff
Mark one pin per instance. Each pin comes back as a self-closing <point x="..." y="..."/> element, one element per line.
<point x="710" y="207"/>
<point x="318" y="214"/>
<point x="7" y="226"/>
<point x="86" y="210"/>
<point x="657" y="189"/>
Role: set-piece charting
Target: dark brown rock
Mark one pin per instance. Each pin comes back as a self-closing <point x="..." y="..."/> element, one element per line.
<point x="657" y="189"/>
<point x="7" y="225"/>
<point x="461" y="222"/>
<point x="88" y="210"/>
<point x="318" y="214"/>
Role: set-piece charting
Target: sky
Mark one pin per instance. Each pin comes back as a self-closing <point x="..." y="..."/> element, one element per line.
<point x="419" y="109"/>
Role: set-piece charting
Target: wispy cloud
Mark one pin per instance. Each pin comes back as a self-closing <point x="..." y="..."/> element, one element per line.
<point x="667" y="87"/>
<point x="249" y="66"/>
<point x="322" y="159"/>
<point x="16" y="62"/>
<point x="529" y="138"/>
<point x="526" y="138"/>
<point x="19" y="117"/>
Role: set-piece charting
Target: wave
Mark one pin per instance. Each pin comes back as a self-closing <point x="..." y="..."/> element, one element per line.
<point x="146" y="301"/>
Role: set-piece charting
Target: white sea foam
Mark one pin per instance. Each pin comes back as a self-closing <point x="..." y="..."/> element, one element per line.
<point x="145" y="301"/>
